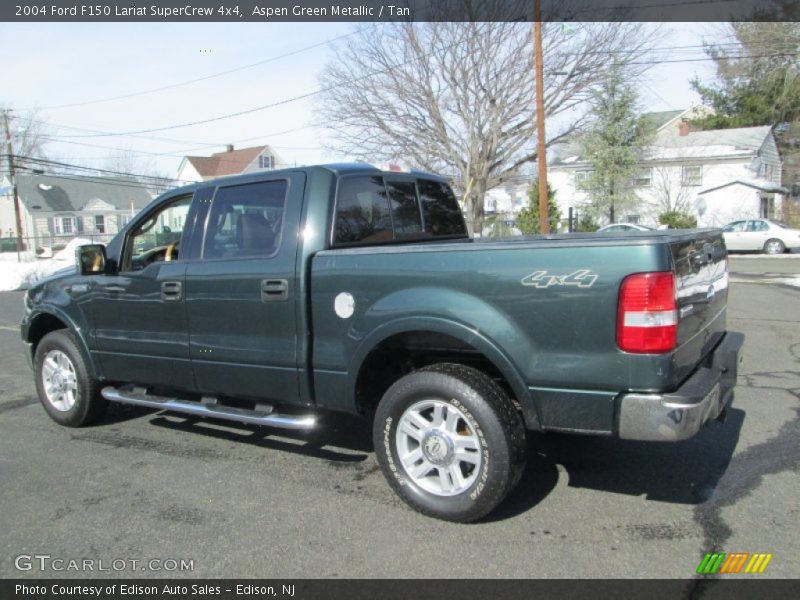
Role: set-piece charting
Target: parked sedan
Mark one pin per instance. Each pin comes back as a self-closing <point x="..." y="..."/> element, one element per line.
<point x="761" y="235"/>
<point x="623" y="228"/>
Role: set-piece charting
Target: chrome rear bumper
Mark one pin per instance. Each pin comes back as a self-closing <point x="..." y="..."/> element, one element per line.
<point x="680" y="415"/>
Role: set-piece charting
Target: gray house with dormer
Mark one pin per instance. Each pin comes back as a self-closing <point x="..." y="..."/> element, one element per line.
<point x="57" y="208"/>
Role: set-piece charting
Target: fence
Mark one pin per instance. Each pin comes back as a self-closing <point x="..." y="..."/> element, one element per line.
<point x="46" y="244"/>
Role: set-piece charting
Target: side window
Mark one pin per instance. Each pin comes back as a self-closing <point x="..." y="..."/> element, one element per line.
<point x="245" y="220"/>
<point x="757" y="226"/>
<point x="736" y="226"/>
<point x="440" y="209"/>
<point x="362" y="211"/>
<point x="158" y="237"/>
<point x="405" y="208"/>
<point x="692" y="175"/>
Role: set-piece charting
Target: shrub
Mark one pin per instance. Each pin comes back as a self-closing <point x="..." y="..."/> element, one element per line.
<point x="677" y="220"/>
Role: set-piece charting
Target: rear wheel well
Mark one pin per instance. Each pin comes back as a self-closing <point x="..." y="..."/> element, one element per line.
<point x="403" y="353"/>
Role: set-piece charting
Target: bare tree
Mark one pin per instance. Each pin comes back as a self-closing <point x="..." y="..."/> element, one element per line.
<point x="457" y="98"/>
<point x="136" y="167"/>
<point x="29" y="136"/>
<point x="668" y="193"/>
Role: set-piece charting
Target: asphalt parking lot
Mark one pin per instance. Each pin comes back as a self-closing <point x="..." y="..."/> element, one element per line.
<point x="241" y="501"/>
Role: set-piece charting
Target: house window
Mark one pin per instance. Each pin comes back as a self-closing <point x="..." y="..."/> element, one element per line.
<point x="64" y="225"/>
<point x="632" y="219"/>
<point x="582" y="175"/>
<point x="100" y="223"/>
<point x="643" y="177"/>
<point x="692" y="175"/>
<point x="265" y="161"/>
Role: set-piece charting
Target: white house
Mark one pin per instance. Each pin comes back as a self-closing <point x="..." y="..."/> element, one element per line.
<point x="229" y="162"/>
<point x="506" y="200"/>
<point x="716" y="175"/>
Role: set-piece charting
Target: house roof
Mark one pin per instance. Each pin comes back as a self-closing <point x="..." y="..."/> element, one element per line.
<point x="739" y="139"/>
<point x="71" y="193"/>
<point x="230" y="162"/>
<point x="657" y="120"/>
<point x="668" y="144"/>
<point x="763" y="185"/>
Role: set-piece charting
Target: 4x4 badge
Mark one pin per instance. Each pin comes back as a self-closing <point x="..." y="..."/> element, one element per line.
<point x="542" y="279"/>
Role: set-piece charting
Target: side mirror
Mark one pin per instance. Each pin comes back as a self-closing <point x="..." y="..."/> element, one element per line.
<point x="90" y="259"/>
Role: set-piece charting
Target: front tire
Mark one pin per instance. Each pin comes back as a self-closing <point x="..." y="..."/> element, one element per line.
<point x="774" y="246"/>
<point x="450" y="442"/>
<point x="66" y="389"/>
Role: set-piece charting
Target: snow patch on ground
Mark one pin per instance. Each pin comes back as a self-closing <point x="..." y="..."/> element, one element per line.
<point x="21" y="275"/>
<point x="793" y="281"/>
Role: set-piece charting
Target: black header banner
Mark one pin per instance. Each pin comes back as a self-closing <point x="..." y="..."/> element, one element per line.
<point x="265" y="11"/>
<point x="366" y="589"/>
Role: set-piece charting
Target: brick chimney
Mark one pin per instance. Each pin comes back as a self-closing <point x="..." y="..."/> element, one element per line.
<point x="229" y="147"/>
<point x="684" y="128"/>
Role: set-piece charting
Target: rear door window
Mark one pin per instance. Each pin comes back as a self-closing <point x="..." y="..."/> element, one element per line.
<point x="246" y="220"/>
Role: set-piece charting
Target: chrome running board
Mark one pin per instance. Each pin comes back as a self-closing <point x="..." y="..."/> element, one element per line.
<point x="208" y="407"/>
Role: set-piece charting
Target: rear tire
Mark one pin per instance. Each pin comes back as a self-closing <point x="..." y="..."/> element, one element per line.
<point x="450" y="442"/>
<point x="774" y="246"/>
<point x="66" y="389"/>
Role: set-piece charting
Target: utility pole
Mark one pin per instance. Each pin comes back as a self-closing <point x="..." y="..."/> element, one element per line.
<point x="12" y="177"/>
<point x="541" y="152"/>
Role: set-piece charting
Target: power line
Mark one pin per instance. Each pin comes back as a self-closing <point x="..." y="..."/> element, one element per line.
<point x="372" y="74"/>
<point x="53" y="163"/>
<point x="265" y="106"/>
<point x="204" y="121"/>
<point x="74" y="128"/>
<point x="715" y="58"/>
<point x="181" y="153"/>
<point x="90" y="179"/>
<point x="204" y="78"/>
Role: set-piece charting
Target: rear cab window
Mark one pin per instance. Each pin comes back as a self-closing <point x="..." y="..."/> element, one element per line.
<point x="373" y="209"/>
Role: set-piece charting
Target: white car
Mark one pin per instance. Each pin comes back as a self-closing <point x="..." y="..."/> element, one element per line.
<point x="771" y="237"/>
<point x="623" y="228"/>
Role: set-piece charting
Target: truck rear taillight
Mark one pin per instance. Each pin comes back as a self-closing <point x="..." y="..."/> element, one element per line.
<point x="647" y="319"/>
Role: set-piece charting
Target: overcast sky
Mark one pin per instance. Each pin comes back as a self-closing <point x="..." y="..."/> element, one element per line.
<point x="51" y="65"/>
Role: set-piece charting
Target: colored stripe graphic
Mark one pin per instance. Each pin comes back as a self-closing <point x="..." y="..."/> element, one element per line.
<point x="722" y="562"/>
<point x="734" y="562"/>
<point x="758" y="563"/>
<point x="711" y="563"/>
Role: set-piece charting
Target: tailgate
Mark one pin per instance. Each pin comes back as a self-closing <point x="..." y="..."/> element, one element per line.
<point x="701" y="277"/>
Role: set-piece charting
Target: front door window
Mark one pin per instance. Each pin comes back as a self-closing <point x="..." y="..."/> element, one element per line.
<point x="158" y="237"/>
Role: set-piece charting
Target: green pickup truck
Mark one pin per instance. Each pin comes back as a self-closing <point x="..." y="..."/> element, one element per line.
<point x="267" y="297"/>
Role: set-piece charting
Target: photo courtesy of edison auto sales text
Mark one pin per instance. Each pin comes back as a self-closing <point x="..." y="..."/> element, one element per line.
<point x="168" y="589"/>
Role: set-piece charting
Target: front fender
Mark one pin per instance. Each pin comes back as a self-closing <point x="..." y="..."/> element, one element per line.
<point x="78" y="329"/>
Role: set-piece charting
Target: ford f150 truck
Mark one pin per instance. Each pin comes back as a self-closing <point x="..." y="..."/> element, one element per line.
<point x="264" y="298"/>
